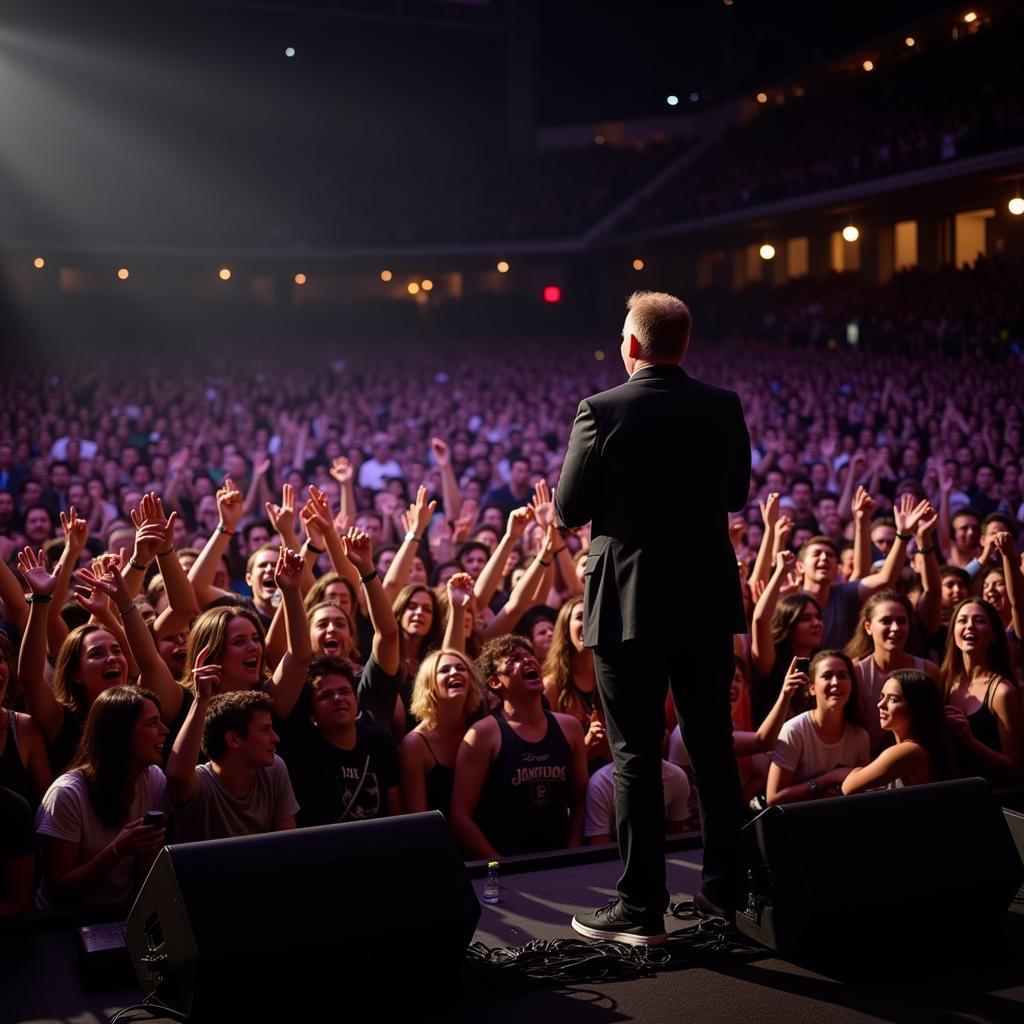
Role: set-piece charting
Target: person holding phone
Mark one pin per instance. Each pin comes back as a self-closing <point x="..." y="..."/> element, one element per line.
<point x="96" y="842"/>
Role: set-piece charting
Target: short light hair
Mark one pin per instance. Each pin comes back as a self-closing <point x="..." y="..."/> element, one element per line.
<point x="660" y="323"/>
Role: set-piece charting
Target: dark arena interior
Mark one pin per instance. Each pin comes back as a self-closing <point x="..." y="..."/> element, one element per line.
<point x="384" y="584"/>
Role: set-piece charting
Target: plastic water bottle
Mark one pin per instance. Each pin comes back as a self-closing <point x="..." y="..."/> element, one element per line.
<point x="492" y="888"/>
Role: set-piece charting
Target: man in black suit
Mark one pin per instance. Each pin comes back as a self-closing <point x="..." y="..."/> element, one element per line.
<point x="655" y="465"/>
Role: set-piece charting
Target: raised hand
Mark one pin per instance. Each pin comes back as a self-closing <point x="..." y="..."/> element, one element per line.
<point x="206" y="677"/>
<point x="283" y="516"/>
<point x="342" y="521"/>
<point x="926" y="526"/>
<point x="863" y="505"/>
<point x="441" y="452"/>
<point x="828" y="448"/>
<point x="785" y="562"/>
<point x="94" y="601"/>
<point x="770" y="510"/>
<point x="102" y="580"/>
<point x="359" y="549"/>
<point x="76" y="532"/>
<point x="1004" y="544"/>
<point x="229" y="505"/>
<point x="153" y="529"/>
<point x="342" y="470"/>
<point x="467" y="517"/>
<point x="736" y="530"/>
<point x="33" y="567"/>
<point x="908" y="514"/>
<point x="460" y="589"/>
<point x="288" y="571"/>
<point x="518" y="520"/>
<point x="312" y="524"/>
<point x="179" y="460"/>
<point x="386" y="504"/>
<point x="260" y="465"/>
<point x="420" y="513"/>
<point x="783" y="529"/>
<point x="794" y="680"/>
<point x="543" y="505"/>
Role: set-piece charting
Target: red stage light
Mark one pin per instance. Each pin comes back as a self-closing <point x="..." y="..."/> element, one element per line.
<point x="552" y="293"/>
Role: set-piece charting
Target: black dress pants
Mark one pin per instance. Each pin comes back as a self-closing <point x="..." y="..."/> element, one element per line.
<point x="632" y="677"/>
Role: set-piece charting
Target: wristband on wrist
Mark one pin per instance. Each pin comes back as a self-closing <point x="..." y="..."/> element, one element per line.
<point x="545" y="564"/>
<point x="169" y="551"/>
<point x="372" y="574"/>
<point x="310" y="546"/>
<point x="904" y="536"/>
<point x="560" y="550"/>
<point x="136" y="564"/>
<point x="125" y="611"/>
<point x="39" y="598"/>
<point x="224" y="529"/>
<point x="926" y="551"/>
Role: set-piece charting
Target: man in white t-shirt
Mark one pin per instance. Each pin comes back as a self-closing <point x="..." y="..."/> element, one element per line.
<point x="244" y="788"/>
<point x="599" y="821"/>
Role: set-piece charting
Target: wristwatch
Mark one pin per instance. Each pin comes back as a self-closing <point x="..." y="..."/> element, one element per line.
<point x="410" y="535"/>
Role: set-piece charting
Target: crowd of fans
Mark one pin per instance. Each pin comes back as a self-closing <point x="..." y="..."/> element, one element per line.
<point x="302" y="588"/>
<point x="938" y="102"/>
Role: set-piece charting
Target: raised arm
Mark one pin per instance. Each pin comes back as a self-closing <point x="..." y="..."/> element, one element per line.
<point x="181" y="765"/>
<point x="460" y="594"/>
<point x="929" y="604"/>
<point x="40" y="703"/>
<point x="290" y="673"/>
<point x="258" y="489"/>
<point x="451" y="496"/>
<point x="1014" y="579"/>
<point x="745" y="744"/>
<point x="204" y="568"/>
<point x="945" y="518"/>
<point x="762" y="650"/>
<point x="416" y="522"/>
<point x="343" y="472"/>
<point x="863" y="507"/>
<point x="770" y="518"/>
<point x="283" y="517"/>
<point x="76" y="533"/>
<point x="385" y="627"/>
<point x="492" y="573"/>
<point x="525" y="593"/>
<point x="854" y="472"/>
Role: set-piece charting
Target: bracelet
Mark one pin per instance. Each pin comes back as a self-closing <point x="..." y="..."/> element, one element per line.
<point x="926" y="551"/>
<point x="135" y="564"/>
<point x="904" y="537"/>
<point x="127" y="610"/>
<point x="372" y="574"/>
<point x="163" y="554"/>
<point x="310" y="546"/>
<point x="39" y="598"/>
<point x="224" y="529"/>
<point x="542" y="562"/>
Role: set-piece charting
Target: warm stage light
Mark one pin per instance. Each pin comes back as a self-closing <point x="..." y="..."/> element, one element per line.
<point x="413" y="287"/>
<point x="300" y="278"/>
<point x="552" y="293"/>
<point x="426" y="284"/>
<point x="224" y="274"/>
<point x="910" y="40"/>
<point x="638" y="264"/>
<point x="762" y="97"/>
<point x="767" y="252"/>
<point x="123" y="273"/>
<point x="1016" y="206"/>
<point x="850" y="233"/>
<point x="502" y="267"/>
<point x="385" y="275"/>
<point x="39" y="263"/>
<point x="970" y="17"/>
<point x="868" y="65"/>
<point x="599" y="355"/>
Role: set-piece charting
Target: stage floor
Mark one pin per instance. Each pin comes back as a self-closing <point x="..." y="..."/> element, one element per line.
<point x="39" y="982"/>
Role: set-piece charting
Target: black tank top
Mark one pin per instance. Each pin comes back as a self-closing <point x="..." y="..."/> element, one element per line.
<point x="985" y="727"/>
<point x="525" y="804"/>
<point x="439" y="781"/>
<point x="13" y="773"/>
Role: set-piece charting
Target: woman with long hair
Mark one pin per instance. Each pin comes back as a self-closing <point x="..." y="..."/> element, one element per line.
<point x="446" y="697"/>
<point x="570" y="682"/>
<point x="877" y="649"/>
<point x="96" y="845"/>
<point x="818" y="749"/>
<point x="782" y="629"/>
<point x="911" y="709"/>
<point x="983" y="707"/>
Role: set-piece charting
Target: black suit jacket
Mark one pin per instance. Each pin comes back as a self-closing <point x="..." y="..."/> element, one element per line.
<point x="655" y="465"/>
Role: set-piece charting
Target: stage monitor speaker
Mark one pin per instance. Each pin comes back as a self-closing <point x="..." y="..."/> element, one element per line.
<point x="311" y="918"/>
<point x="929" y="865"/>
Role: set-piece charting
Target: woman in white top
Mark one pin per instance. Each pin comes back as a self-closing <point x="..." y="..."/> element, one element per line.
<point x="909" y="708"/>
<point x="95" y="844"/>
<point x="877" y="649"/>
<point x="818" y="749"/>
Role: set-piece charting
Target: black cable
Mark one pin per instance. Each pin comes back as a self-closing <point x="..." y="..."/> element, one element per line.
<point x="154" y="1009"/>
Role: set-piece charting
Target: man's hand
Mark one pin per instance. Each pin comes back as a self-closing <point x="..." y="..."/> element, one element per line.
<point x="342" y="470"/>
<point x="770" y="510"/>
<point x="359" y="549"/>
<point x="229" y="505"/>
<point x="33" y="567"/>
<point x="421" y="512"/>
<point x="288" y="571"/>
<point x="441" y="452"/>
<point x="283" y="516"/>
<point x="518" y="520"/>
<point x="863" y="505"/>
<point x="543" y="505"/>
<point x="76" y="533"/>
<point x="460" y="589"/>
<point x="206" y="677"/>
